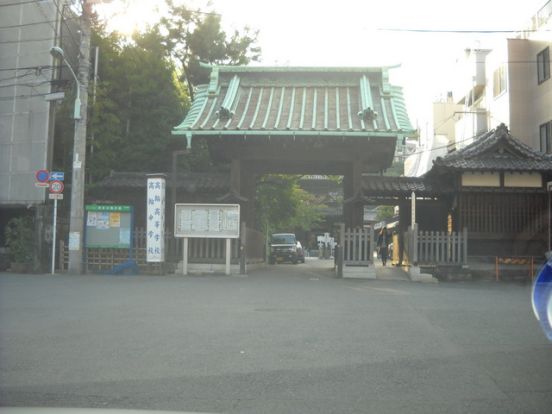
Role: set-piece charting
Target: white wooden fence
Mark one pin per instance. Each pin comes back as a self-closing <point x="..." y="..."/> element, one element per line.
<point x="358" y="245"/>
<point x="436" y="247"/>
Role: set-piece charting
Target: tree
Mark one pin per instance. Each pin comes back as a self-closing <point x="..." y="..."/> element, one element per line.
<point x="283" y="205"/>
<point x="384" y="213"/>
<point x="138" y="100"/>
<point x="192" y="36"/>
<point x="144" y="90"/>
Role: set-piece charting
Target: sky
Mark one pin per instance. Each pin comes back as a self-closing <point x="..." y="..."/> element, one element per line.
<point x="357" y="33"/>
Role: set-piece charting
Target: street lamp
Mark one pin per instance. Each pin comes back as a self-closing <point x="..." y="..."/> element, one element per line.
<point x="58" y="53"/>
<point x="76" y="219"/>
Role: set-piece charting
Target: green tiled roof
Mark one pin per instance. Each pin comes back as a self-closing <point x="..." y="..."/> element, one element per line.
<point x="243" y="100"/>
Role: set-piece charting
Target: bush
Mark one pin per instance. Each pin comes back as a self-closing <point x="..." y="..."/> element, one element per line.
<point x="19" y="239"/>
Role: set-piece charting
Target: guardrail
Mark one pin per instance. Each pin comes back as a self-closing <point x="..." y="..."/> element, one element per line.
<point x="511" y="261"/>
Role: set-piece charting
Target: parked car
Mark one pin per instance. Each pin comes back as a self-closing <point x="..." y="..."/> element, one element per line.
<point x="283" y="248"/>
<point x="300" y="253"/>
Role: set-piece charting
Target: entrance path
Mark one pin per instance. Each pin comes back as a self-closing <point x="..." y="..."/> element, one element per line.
<point x="285" y="339"/>
<point x="390" y="272"/>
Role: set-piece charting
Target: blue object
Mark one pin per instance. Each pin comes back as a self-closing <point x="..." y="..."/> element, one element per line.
<point x="542" y="298"/>
<point x="126" y="268"/>
<point x="57" y="176"/>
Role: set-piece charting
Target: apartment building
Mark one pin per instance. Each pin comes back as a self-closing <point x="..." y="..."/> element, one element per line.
<point x="509" y="84"/>
<point x="30" y="88"/>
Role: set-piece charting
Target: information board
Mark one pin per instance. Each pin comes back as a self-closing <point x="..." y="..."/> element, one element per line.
<point x="207" y="220"/>
<point x="108" y="226"/>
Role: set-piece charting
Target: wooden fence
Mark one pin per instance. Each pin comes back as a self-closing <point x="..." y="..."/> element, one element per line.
<point x="200" y="250"/>
<point x="435" y="247"/>
<point x="358" y="245"/>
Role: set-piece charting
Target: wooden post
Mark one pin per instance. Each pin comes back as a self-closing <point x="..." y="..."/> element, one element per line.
<point x="372" y="245"/>
<point x="228" y="255"/>
<point x="465" y="243"/>
<point x="415" y="244"/>
<point x="235" y="176"/>
<point x="185" y="256"/>
<point x="339" y="260"/>
<point x="243" y="248"/>
<point x="342" y="240"/>
<point x="496" y="269"/>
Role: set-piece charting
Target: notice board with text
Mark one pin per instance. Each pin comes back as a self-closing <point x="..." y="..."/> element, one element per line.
<point x="108" y="226"/>
<point x="207" y="220"/>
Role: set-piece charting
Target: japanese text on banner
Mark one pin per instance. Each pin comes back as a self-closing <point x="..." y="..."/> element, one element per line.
<point x="155" y="246"/>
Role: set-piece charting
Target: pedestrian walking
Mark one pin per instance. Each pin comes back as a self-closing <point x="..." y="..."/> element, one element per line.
<point x="384" y="239"/>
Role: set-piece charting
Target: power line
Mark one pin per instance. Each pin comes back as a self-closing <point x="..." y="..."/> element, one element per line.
<point x="19" y="3"/>
<point x="27" y="74"/>
<point x="462" y="31"/>
<point x="15" y="26"/>
<point x="64" y="22"/>
<point x="42" y="39"/>
<point x="27" y="96"/>
<point x="28" y="68"/>
<point x="29" y="85"/>
<point x="39" y="6"/>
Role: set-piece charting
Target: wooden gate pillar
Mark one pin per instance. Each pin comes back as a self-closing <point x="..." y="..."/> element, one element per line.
<point x="235" y="176"/>
<point x="353" y="207"/>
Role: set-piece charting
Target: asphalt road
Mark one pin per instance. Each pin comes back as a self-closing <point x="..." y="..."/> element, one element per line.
<point x="286" y="339"/>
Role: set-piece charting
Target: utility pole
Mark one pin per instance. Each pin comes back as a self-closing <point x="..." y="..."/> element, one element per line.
<point x="76" y="224"/>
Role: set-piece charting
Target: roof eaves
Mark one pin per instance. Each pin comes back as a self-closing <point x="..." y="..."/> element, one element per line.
<point x="290" y="133"/>
<point x="196" y="109"/>
<point x="302" y="69"/>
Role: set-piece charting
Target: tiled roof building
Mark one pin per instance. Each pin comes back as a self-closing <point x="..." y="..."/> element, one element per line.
<point x="302" y="101"/>
<point x="298" y="120"/>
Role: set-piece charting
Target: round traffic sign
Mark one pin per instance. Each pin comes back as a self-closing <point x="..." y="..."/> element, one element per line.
<point x="56" y="187"/>
<point x="42" y="176"/>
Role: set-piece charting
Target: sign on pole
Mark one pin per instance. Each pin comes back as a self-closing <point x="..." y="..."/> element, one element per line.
<point x="207" y="220"/>
<point x="57" y="176"/>
<point x="56" y="187"/>
<point x="42" y="177"/>
<point x="155" y="232"/>
<point x="220" y="221"/>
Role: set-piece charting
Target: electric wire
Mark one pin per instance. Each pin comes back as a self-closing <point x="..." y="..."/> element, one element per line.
<point x="64" y="22"/>
<point x="39" y="67"/>
<point x="20" y="3"/>
<point x="29" y="85"/>
<point x="463" y="31"/>
<point x="16" y="26"/>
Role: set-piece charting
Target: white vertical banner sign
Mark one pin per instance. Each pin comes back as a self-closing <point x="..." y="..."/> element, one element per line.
<point x="413" y="209"/>
<point x="155" y="230"/>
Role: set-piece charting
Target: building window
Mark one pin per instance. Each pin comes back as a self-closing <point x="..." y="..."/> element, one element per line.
<point x="499" y="80"/>
<point x="543" y="65"/>
<point x="546" y="137"/>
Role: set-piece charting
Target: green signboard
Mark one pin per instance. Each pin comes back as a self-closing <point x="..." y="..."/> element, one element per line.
<point x="108" y="226"/>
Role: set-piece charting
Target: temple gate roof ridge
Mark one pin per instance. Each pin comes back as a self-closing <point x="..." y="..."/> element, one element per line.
<point x="278" y="101"/>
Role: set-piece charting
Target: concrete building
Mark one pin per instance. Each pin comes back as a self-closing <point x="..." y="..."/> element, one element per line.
<point x="28" y="30"/>
<point x="510" y="84"/>
<point x="507" y="84"/>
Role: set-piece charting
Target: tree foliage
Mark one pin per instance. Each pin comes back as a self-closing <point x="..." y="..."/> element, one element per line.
<point x="283" y="206"/>
<point x="191" y="37"/>
<point x="144" y="90"/>
<point x="139" y="100"/>
<point x="384" y="213"/>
